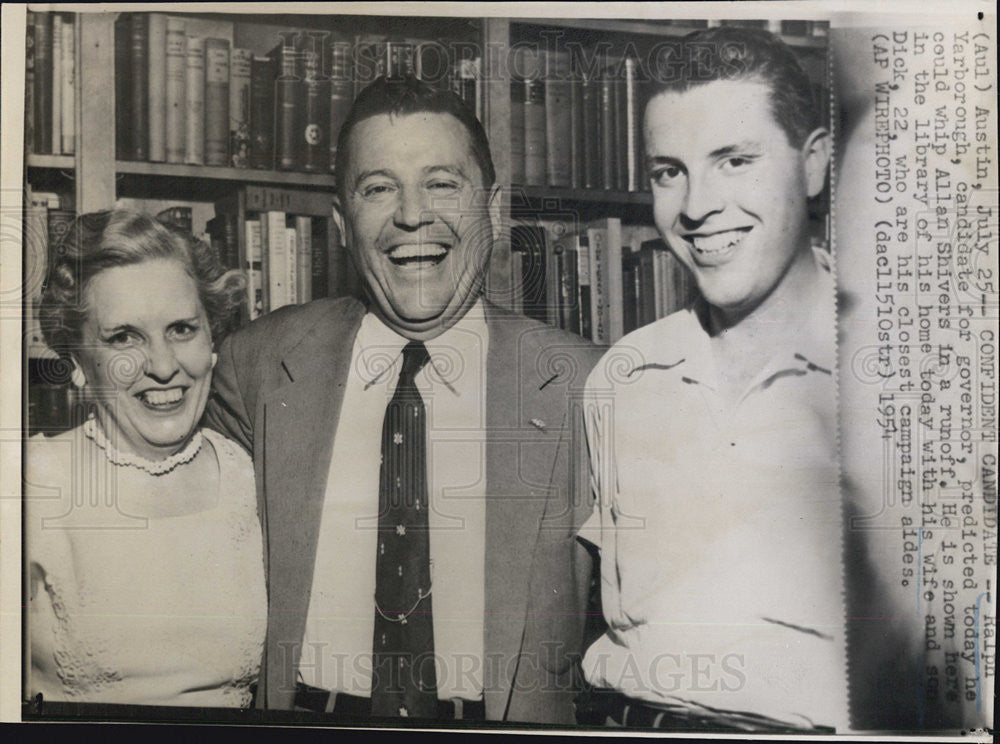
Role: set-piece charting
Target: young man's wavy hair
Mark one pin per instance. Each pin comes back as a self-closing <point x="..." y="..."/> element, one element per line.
<point x="748" y="54"/>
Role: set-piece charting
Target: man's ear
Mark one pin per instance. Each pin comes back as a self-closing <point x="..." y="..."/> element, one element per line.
<point x="338" y="218"/>
<point x="493" y="204"/>
<point x="816" y="157"/>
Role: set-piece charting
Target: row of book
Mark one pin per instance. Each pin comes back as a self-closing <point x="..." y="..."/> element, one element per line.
<point x="576" y="129"/>
<point x="50" y="83"/>
<point x="601" y="281"/>
<point x="184" y="97"/>
<point x="286" y="242"/>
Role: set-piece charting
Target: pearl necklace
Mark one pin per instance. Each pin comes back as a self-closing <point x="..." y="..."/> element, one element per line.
<point x="153" y="467"/>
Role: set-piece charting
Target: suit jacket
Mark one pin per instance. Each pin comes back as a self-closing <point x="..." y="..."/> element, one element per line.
<point x="277" y="390"/>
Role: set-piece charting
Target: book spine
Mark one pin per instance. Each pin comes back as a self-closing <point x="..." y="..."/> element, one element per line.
<point x="464" y="78"/>
<point x="286" y="107"/>
<point x="534" y="131"/>
<point x="517" y="154"/>
<point x="341" y="92"/>
<point x="303" y="254"/>
<point x="230" y="254"/>
<point x="660" y="284"/>
<point x="687" y="288"/>
<point x="630" y="299"/>
<point x="175" y="80"/>
<point x="583" y="285"/>
<point x="276" y="261"/>
<point x="194" y="102"/>
<point x="632" y="125"/>
<point x="255" y="292"/>
<point x="319" y="262"/>
<point x="123" y="89"/>
<point x="57" y="68"/>
<point x="43" y="83"/>
<point x="606" y="107"/>
<point x="399" y="58"/>
<point x="68" y="85"/>
<point x="558" y="119"/>
<point x="599" y="304"/>
<point x="139" y="52"/>
<point x="370" y="60"/>
<point x="291" y="265"/>
<point x="262" y="75"/>
<point x="590" y="103"/>
<point x="157" y="87"/>
<point x="216" y="102"/>
<point x="35" y="263"/>
<point x="265" y="263"/>
<point x="29" y="82"/>
<point x="551" y="262"/>
<point x="616" y="323"/>
<point x="647" y="287"/>
<point x="576" y="142"/>
<point x="621" y="133"/>
<point x="569" y="300"/>
<point x="240" y="62"/>
<point x="314" y="135"/>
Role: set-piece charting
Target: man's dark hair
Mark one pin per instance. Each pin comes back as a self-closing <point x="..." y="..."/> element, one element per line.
<point x="408" y="95"/>
<point x="748" y="54"/>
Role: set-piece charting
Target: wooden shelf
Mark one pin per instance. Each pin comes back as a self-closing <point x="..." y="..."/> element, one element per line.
<point x="590" y="196"/>
<point x="179" y="170"/>
<point x="61" y="162"/>
<point x="220" y="173"/>
<point x="651" y="28"/>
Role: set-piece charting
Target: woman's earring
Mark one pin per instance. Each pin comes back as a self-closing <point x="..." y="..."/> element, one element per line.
<point x="77" y="377"/>
<point x="215" y="359"/>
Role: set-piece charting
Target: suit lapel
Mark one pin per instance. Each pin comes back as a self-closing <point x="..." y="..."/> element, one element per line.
<point x="518" y="475"/>
<point x="299" y="423"/>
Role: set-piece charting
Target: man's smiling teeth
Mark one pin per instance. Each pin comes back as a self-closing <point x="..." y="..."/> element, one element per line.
<point x="418" y="252"/>
<point x="162" y="397"/>
<point x="719" y="241"/>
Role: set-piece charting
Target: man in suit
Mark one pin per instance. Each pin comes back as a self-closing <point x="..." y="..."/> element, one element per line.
<point x="415" y="463"/>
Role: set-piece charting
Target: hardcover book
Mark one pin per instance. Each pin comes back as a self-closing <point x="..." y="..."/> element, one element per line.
<point x="194" y="101"/>
<point x="216" y="102"/>
<point x="175" y="84"/>
<point x="157" y="86"/>
<point x="263" y="72"/>
<point x="240" y="64"/>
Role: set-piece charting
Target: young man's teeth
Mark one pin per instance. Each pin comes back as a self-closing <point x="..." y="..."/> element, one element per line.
<point x="418" y="250"/>
<point x="719" y="241"/>
<point x="162" y="397"/>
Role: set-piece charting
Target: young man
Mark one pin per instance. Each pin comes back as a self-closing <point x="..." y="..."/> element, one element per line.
<point x="714" y="458"/>
<point x="412" y="453"/>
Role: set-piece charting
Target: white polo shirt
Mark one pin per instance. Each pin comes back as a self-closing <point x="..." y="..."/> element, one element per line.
<point x="720" y="526"/>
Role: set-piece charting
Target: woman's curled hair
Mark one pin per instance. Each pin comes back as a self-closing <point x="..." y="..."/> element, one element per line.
<point x="104" y="240"/>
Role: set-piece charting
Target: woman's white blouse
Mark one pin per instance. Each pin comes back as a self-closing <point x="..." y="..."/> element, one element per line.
<point x="152" y="611"/>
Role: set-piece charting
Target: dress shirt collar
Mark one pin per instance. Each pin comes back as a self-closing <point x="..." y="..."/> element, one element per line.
<point x="380" y="348"/>
<point x="811" y="347"/>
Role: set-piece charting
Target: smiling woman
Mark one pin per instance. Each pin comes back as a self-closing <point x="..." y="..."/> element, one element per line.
<point x="144" y="547"/>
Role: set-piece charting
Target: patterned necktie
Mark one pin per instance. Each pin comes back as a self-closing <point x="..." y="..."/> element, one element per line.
<point x="403" y="677"/>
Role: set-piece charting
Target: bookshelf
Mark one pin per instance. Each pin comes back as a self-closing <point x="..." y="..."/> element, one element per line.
<point x="93" y="175"/>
